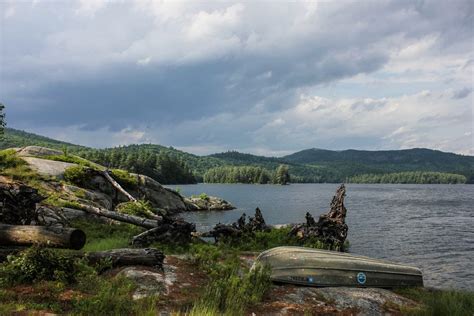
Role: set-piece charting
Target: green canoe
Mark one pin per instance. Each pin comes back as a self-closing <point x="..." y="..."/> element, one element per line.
<point x="312" y="267"/>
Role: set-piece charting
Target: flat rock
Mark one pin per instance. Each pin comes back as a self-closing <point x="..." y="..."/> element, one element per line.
<point x="149" y="282"/>
<point x="48" y="167"/>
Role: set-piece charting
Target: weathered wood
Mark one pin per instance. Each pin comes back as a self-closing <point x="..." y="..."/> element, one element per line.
<point x="331" y="228"/>
<point x="25" y="235"/>
<point x="131" y="219"/>
<point x="127" y="257"/>
<point x="17" y="202"/>
<point x="118" y="186"/>
<point x="240" y="227"/>
<point x="169" y="230"/>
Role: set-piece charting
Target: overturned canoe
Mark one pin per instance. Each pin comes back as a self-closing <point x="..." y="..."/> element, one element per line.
<point x="312" y="267"/>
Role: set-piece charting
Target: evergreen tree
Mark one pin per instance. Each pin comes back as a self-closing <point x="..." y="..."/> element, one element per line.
<point x="282" y="175"/>
<point x="2" y="119"/>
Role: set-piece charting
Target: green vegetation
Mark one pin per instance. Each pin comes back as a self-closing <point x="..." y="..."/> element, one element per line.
<point x="102" y="236"/>
<point x="241" y="174"/>
<point x="418" y="177"/>
<point x="438" y="303"/>
<point x="38" y="264"/>
<point x="73" y="159"/>
<point x="125" y="179"/>
<point x="2" y="119"/>
<point x="77" y="175"/>
<point x="16" y="168"/>
<point x="168" y="165"/>
<point x="282" y="175"/>
<point x="138" y="208"/>
<point x="232" y="287"/>
<point x="52" y="273"/>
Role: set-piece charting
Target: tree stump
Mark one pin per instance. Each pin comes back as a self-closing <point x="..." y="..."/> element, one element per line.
<point x="18" y="203"/>
<point x="331" y="228"/>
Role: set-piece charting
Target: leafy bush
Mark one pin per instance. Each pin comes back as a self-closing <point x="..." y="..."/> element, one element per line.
<point x="137" y="208"/>
<point x="15" y="167"/>
<point x="204" y="196"/>
<point x="38" y="264"/>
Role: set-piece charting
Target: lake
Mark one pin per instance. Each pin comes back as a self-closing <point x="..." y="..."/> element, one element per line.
<point x="429" y="226"/>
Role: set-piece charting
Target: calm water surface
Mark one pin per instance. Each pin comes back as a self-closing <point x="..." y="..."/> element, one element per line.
<point x="429" y="226"/>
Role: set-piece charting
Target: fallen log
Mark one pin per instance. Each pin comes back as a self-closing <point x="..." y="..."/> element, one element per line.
<point x="169" y="230"/>
<point x="127" y="257"/>
<point x="116" y="185"/>
<point x="331" y="228"/>
<point x="25" y="235"/>
<point x="131" y="219"/>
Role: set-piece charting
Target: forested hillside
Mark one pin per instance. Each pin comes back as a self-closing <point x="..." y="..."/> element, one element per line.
<point x="169" y="165"/>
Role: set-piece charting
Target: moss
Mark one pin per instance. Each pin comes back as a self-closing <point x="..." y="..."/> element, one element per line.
<point x="76" y="160"/>
<point x="125" y="179"/>
<point x="137" y="208"/>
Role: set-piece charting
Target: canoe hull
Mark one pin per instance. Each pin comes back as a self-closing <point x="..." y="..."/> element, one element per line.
<point x="311" y="267"/>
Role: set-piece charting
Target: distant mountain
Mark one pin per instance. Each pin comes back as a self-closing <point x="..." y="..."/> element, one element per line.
<point x="310" y="165"/>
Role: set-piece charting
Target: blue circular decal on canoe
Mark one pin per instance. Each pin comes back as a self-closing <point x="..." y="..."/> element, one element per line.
<point x="361" y="278"/>
<point x="310" y="280"/>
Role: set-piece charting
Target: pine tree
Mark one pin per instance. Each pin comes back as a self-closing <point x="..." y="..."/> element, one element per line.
<point x="2" y="119"/>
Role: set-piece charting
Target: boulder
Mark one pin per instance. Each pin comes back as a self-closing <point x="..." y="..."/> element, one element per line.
<point x="159" y="196"/>
<point x="150" y="282"/>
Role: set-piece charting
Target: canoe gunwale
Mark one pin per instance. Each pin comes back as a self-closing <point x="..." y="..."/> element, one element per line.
<point x="341" y="269"/>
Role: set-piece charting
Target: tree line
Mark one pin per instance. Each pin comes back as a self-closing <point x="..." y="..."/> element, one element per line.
<point x="247" y="174"/>
<point x="416" y="177"/>
<point x="161" y="166"/>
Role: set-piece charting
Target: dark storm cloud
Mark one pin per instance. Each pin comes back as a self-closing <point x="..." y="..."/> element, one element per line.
<point x="157" y="65"/>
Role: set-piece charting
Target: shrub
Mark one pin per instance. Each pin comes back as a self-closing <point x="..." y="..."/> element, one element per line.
<point x="137" y="208"/>
<point x="204" y="196"/>
<point x="38" y="264"/>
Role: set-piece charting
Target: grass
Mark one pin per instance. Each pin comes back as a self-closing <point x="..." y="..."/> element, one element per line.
<point x="74" y="159"/>
<point x="438" y="302"/>
<point x="137" y="208"/>
<point x="15" y="167"/>
<point x="102" y="236"/>
<point x="232" y="287"/>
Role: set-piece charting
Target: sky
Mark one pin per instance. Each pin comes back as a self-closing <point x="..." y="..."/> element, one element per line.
<point x="263" y="77"/>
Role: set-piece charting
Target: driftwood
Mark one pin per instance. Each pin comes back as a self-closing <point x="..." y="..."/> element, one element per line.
<point x="128" y="257"/>
<point x="239" y="228"/>
<point x="169" y="230"/>
<point x="25" y="235"/>
<point x="116" y="185"/>
<point x="331" y="228"/>
<point x="18" y="203"/>
<point x="131" y="219"/>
